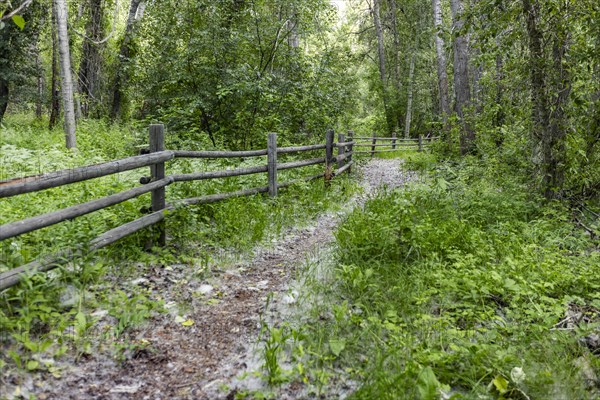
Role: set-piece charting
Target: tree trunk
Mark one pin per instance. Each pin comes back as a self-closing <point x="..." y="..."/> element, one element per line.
<point x="91" y="59"/>
<point x="462" y="88"/>
<point x="39" y="69"/>
<point x="444" y="104"/>
<point x="499" y="117"/>
<point x="76" y="94"/>
<point x="538" y="85"/>
<point x="396" y="37"/>
<point x="397" y="84"/>
<point x="55" y="102"/>
<point x="409" y="102"/>
<point x="476" y="73"/>
<point x="593" y="134"/>
<point x="382" y="65"/>
<point x="555" y="145"/>
<point x="4" y="92"/>
<point x="6" y="56"/>
<point x="549" y="128"/>
<point x="40" y="83"/>
<point x="65" y="72"/>
<point x="122" y="76"/>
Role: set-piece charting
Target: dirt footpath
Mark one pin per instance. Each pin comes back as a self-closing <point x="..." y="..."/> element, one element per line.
<point x="198" y="352"/>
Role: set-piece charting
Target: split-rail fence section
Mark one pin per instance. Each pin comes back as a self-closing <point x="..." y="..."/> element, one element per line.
<point x="156" y="183"/>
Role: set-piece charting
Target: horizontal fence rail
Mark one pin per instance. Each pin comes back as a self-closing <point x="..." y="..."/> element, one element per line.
<point x="390" y="144"/>
<point x="158" y="181"/>
<point x="18" y="186"/>
<point x="41" y="221"/>
<point x="155" y="184"/>
<point x="197" y="176"/>
<point x="219" y="154"/>
<point x="286" y="150"/>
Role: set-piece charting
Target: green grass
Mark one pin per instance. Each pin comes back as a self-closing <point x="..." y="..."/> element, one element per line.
<point x="456" y="287"/>
<point x="30" y="314"/>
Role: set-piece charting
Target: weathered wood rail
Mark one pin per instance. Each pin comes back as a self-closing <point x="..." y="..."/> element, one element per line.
<point x="395" y="143"/>
<point x="156" y="184"/>
<point x="158" y="181"/>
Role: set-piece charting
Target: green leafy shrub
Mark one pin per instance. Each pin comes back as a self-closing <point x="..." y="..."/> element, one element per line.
<point x="455" y="285"/>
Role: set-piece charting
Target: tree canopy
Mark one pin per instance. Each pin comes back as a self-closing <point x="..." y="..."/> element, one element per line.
<point x="517" y="80"/>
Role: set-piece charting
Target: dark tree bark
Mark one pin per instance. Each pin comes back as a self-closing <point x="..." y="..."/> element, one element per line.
<point x="593" y="134"/>
<point x="4" y="92"/>
<point x="555" y="152"/>
<point x="122" y="76"/>
<point x="462" y="89"/>
<point x="6" y="65"/>
<point x="550" y="89"/>
<point x="91" y="60"/>
<point x="39" y="70"/>
<point x="396" y="50"/>
<point x="409" y="100"/>
<point x="382" y="65"/>
<point x="499" y="117"/>
<point x="40" y="84"/>
<point x="55" y="96"/>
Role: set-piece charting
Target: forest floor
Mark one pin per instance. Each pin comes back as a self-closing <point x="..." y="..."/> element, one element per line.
<point x="208" y="345"/>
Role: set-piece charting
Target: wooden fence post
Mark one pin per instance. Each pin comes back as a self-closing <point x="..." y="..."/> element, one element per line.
<point x="350" y="149"/>
<point x="341" y="150"/>
<point x="157" y="143"/>
<point x="374" y="142"/>
<point x="420" y="142"/>
<point x="329" y="156"/>
<point x="393" y="140"/>
<point x="272" y="163"/>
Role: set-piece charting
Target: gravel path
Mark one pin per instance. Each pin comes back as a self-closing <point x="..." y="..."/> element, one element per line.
<point x="168" y="360"/>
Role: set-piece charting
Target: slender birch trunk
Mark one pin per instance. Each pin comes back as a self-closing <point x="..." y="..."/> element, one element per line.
<point x="65" y="72"/>
<point x="441" y="62"/>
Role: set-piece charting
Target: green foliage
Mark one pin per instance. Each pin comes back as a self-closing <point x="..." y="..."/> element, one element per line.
<point x="35" y="318"/>
<point x="455" y="289"/>
<point x="230" y="71"/>
<point x="130" y="310"/>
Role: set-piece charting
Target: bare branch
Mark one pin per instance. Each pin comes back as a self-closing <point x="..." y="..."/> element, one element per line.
<point x="363" y="30"/>
<point x="16" y="10"/>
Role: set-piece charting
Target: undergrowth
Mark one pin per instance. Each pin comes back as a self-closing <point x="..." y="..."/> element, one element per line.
<point x="51" y="313"/>
<point x="466" y="287"/>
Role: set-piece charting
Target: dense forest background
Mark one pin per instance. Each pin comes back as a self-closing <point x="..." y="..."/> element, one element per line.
<point x="514" y="80"/>
<point x="474" y="274"/>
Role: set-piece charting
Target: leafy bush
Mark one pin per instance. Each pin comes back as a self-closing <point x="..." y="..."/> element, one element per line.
<point x="31" y="313"/>
<point x="458" y="286"/>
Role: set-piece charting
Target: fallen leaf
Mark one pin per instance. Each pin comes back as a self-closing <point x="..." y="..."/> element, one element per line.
<point x="189" y="322"/>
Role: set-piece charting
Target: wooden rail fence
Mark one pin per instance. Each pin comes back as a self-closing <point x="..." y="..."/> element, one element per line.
<point x="156" y="184"/>
<point x="395" y="144"/>
<point x="158" y="181"/>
